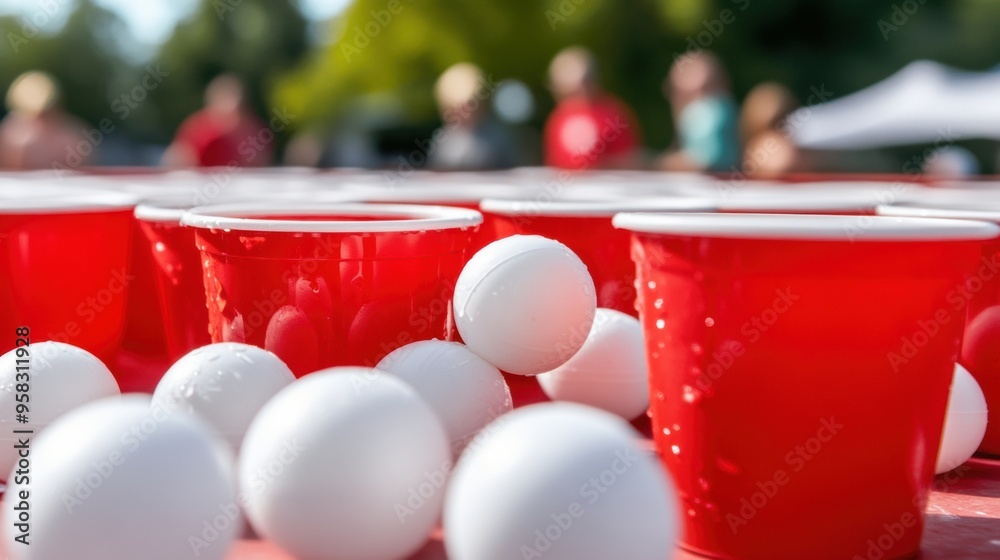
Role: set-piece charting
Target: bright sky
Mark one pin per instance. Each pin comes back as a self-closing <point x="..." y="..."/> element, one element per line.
<point x="151" y="21"/>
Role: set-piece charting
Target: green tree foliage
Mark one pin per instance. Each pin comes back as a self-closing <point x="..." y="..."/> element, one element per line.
<point x="79" y="54"/>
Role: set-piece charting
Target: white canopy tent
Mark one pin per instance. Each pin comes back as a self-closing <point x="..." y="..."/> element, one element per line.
<point x="925" y="102"/>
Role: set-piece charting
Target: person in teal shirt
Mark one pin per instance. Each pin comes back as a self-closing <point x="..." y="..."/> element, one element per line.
<point x="705" y="114"/>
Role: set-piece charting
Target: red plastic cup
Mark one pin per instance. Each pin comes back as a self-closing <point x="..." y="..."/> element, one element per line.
<point x="585" y="227"/>
<point x="978" y="304"/>
<point x="324" y="284"/>
<point x="179" y="289"/>
<point x="178" y="276"/>
<point x="144" y="336"/>
<point x="779" y="401"/>
<point x="64" y="268"/>
<point x="444" y="193"/>
<point x="144" y="330"/>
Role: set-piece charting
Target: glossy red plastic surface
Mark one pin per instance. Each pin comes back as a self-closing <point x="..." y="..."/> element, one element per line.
<point x="981" y="344"/>
<point x="66" y="277"/>
<point x="178" y="280"/>
<point x="327" y="299"/>
<point x="601" y="246"/>
<point x="144" y="330"/>
<point x="786" y="403"/>
<point x="486" y="233"/>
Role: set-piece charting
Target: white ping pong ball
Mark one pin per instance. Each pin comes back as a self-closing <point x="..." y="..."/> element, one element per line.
<point x="525" y="304"/>
<point x="225" y="384"/>
<point x="346" y="462"/>
<point x="465" y="391"/>
<point x="60" y="377"/>
<point x="609" y="372"/>
<point x="965" y="421"/>
<point x="114" y="481"/>
<point x="560" y="481"/>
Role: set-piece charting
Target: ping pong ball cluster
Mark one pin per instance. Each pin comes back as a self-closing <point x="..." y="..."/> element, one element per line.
<point x="61" y="377"/>
<point x="525" y="304"/>
<point x="559" y="481"/>
<point x="112" y="481"/>
<point x="965" y="421"/>
<point x="225" y="384"/>
<point x="609" y="372"/>
<point x="465" y="391"/>
<point x="346" y="462"/>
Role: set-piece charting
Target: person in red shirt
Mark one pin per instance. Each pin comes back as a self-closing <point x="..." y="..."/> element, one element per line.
<point x="589" y="128"/>
<point x="224" y="133"/>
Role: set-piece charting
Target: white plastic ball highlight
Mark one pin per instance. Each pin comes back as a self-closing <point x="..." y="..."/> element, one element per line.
<point x="346" y="462"/>
<point x="465" y="391"/>
<point x="525" y="304"/>
<point x="111" y="480"/>
<point x="60" y="378"/>
<point x="609" y="372"/>
<point x="964" y="423"/>
<point x="560" y="481"/>
<point x="225" y="384"/>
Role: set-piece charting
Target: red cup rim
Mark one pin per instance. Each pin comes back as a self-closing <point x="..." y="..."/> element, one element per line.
<point x="931" y="211"/>
<point x="435" y="194"/>
<point x="956" y="198"/>
<point x="399" y="217"/>
<point x="44" y="199"/>
<point x="807" y="227"/>
<point x="843" y="186"/>
<point x="169" y="209"/>
<point x="801" y="199"/>
<point x="160" y="214"/>
<point x="595" y="208"/>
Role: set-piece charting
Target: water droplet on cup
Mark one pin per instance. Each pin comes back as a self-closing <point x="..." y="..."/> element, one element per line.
<point x="692" y="395"/>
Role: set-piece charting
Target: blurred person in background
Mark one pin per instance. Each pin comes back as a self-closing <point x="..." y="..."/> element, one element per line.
<point x="37" y="133"/>
<point x="471" y="139"/>
<point x="765" y="108"/>
<point x="589" y="128"/>
<point x="951" y="162"/>
<point x="224" y="132"/>
<point x="705" y="117"/>
<point x="768" y="151"/>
